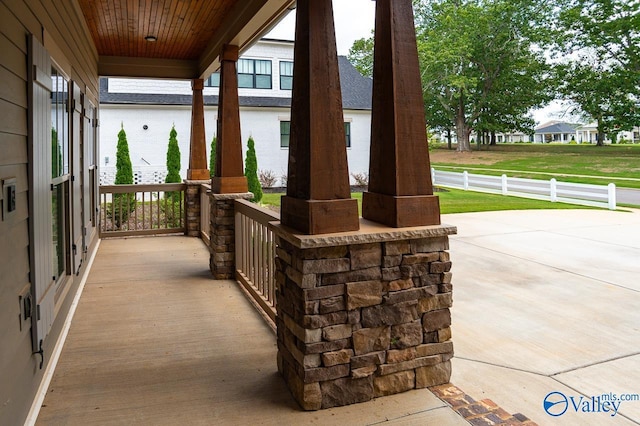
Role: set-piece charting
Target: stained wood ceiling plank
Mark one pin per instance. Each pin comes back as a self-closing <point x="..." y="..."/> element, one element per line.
<point x="145" y="18"/>
<point x="183" y="32"/>
<point x="121" y="23"/>
<point x="168" y="11"/>
<point x="133" y="26"/>
<point x="110" y="32"/>
<point x="184" y="28"/>
<point x="174" y="27"/>
<point x="207" y="21"/>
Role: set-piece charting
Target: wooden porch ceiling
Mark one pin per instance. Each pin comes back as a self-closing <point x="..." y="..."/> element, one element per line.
<point x="189" y="33"/>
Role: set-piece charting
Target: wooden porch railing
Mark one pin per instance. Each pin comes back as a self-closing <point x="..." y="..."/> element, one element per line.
<point x="255" y="254"/>
<point x="127" y="210"/>
<point x="205" y="212"/>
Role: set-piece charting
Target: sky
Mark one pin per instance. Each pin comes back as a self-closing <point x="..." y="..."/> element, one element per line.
<point x="355" y="19"/>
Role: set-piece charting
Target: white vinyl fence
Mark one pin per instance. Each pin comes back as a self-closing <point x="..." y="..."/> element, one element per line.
<point x="142" y="175"/>
<point x="550" y="190"/>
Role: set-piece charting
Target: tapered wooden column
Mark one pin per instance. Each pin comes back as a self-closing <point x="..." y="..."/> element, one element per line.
<point x="229" y="176"/>
<point x="318" y="196"/>
<point x="198" y="169"/>
<point x="400" y="188"/>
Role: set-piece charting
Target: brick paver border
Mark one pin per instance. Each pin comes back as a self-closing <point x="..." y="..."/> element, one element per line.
<point x="478" y="413"/>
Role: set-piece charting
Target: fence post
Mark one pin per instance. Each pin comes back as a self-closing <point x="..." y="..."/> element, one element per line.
<point x="504" y="185"/>
<point x="611" y="188"/>
<point x="465" y="180"/>
<point x="433" y="176"/>
<point x="553" y="190"/>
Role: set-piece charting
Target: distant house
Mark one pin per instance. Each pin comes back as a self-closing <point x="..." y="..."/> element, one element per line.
<point x="148" y="108"/>
<point x="513" y="137"/>
<point x="589" y="134"/>
<point x="555" y="131"/>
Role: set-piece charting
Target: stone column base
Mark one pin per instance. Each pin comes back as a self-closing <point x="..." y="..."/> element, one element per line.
<point x="363" y="314"/>
<point x="223" y="248"/>
<point x="192" y="206"/>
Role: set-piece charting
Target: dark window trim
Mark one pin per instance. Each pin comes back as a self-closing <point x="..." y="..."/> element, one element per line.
<point x="285" y="131"/>
<point x="286" y="77"/>
<point x="255" y="75"/>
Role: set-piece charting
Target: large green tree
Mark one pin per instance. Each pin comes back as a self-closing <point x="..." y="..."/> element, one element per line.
<point x="479" y="65"/>
<point x="480" y="70"/>
<point x="597" y="47"/>
<point x="361" y="56"/>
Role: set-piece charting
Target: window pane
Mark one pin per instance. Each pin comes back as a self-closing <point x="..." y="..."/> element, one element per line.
<point x="263" y="81"/>
<point x="286" y="68"/>
<point x="58" y="229"/>
<point x="285" y="131"/>
<point x="92" y="182"/>
<point x="263" y="67"/>
<point x="55" y="148"/>
<point x="91" y="148"/>
<point x="286" y="83"/>
<point x="213" y="80"/>
<point x="245" y="66"/>
<point x="245" y="80"/>
<point x="347" y="133"/>
<point x="64" y="106"/>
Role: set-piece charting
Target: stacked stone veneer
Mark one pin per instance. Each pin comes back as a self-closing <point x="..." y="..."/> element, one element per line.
<point x="222" y="249"/>
<point x="364" y="315"/>
<point x="192" y="206"/>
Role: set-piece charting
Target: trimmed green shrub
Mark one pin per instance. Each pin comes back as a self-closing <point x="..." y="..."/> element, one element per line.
<point x="251" y="171"/>
<point x="212" y="157"/>
<point x="173" y="165"/>
<point x="123" y="204"/>
<point x="173" y="158"/>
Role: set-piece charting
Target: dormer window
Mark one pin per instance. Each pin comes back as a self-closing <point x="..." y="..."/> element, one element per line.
<point x="254" y="74"/>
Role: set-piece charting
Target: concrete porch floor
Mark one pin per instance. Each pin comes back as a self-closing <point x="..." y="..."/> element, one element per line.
<point x="544" y="301"/>
<point x="156" y="341"/>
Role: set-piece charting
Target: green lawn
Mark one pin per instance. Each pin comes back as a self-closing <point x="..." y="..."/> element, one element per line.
<point x="619" y="164"/>
<point x="458" y="201"/>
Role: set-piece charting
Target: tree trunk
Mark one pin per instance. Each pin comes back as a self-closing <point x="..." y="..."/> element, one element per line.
<point x="493" y="138"/>
<point x="461" y="128"/>
<point x="449" y="138"/>
<point x="600" y="141"/>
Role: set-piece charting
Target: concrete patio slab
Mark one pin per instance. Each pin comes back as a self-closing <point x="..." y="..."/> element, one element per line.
<point x="518" y="312"/>
<point x="620" y="376"/>
<point x="550" y="295"/>
<point x="524" y="392"/>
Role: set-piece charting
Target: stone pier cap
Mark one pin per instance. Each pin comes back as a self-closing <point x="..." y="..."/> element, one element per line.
<point x="369" y="232"/>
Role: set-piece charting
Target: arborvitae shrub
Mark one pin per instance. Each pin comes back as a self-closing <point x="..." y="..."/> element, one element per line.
<point x="251" y="171"/>
<point x="173" y="165"/>
<point x="212" y="157"/>
<point x="123" y="204"/>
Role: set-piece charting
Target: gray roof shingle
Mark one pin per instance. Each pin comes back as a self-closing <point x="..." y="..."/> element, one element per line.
<point x="356" y="94"/>
<point x="556" y="128"/>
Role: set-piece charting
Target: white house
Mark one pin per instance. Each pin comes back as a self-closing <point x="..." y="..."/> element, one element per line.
<point x="147" y="109"/>
<point x="589" y="134"/>
<point x="555" y="131"/>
